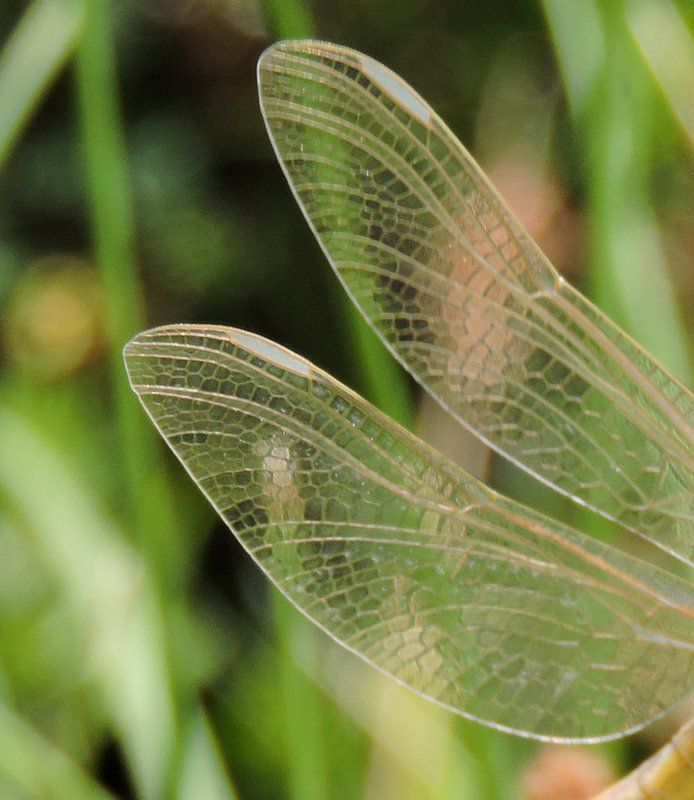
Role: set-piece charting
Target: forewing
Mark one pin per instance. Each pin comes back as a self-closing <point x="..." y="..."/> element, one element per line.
<point x="470" y="599"/>
<point x="465" y="299"/>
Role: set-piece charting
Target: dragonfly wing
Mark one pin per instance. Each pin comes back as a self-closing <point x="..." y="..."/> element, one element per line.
<point x="465" y="299"/>
<point x="468" y="598"/>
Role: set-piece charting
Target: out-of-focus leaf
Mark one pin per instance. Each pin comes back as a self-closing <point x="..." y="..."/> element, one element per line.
<point x="416" y="734"/>
<point x="668" y="48"/>
<point x="290" y="18"/>
<point x="146" y="499"/>
<point x="31" y="767"/>
<point x="628" y="271"/>
<point x="304" y="722"/>
<point x="580" y="44"/>
<point x="202" y="770"/>
<point x="38" y="48"/>
<point x="109" y="592"/>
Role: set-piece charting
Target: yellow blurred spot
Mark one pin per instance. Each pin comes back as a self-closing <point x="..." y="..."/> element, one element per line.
<point x="54" y="322"/>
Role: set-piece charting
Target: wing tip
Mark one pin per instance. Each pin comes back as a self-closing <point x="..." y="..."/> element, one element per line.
<point x="272" y="51"/>
<point x="270" y="59"/>
<point x="133" y="348"/>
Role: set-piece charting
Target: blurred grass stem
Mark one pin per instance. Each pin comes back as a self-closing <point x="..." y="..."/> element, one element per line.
<point x="112" y="220"/>
<point x="37" y="50"/>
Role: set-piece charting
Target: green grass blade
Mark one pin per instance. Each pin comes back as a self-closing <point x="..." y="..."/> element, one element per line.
<point x="303" y="715"/>
<point x="202" y="770"/>
<point x="37" y="50"/>
<point x="627" y="271"/>
<point x="667" y="47"/>
<point x="113" y="230"/>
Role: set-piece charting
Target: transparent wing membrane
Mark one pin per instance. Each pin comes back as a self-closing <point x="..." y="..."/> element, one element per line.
<point x="472" y="600"/>
<point x="467" y="302"/>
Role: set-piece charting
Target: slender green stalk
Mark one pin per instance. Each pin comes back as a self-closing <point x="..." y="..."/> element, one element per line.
<point x="34" y="55"/>
<point x="304" y="717"/>
<point x="111" y="211"/>
<point x="145" y="498"/>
